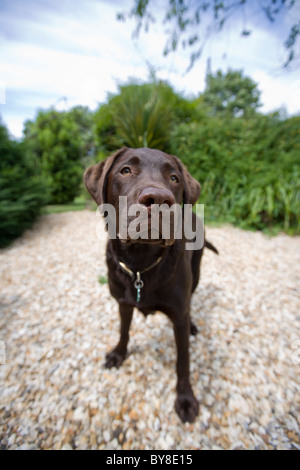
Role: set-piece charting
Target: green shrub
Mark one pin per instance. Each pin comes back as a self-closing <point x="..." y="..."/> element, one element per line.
<point x="142" y="115"/>
<point x="22" y="191"/>
<point x="136" y="117"/>
<point x="142" y="118"/>
<point x="249" y="169"/>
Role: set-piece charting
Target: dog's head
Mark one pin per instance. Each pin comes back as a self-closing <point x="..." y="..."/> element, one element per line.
<point x="151" y="183"/>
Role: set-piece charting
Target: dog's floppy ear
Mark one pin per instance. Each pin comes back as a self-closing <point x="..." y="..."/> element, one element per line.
<point x="95" y="177"/>
<point x="192" y="187"/>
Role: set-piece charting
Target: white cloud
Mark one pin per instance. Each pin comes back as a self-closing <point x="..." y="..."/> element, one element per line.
<point x="278" y="92"/>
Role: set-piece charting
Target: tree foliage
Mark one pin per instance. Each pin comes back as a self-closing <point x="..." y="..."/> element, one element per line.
<point x="191" y="23"/>
<point x="231" y="94"/>
<point x="22" y="190"/>
<point x="59" y="143"/>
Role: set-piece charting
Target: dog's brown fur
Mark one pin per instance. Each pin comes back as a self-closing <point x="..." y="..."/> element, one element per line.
<point x="147" y="177"/>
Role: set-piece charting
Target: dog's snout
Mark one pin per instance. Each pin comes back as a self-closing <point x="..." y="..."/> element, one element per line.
<point x="158" y="196"/>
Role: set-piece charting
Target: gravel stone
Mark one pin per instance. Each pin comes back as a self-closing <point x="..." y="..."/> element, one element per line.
<point x="57" y="322"/>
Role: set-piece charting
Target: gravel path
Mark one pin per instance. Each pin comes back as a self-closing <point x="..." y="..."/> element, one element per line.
<point x="57" y="322"/>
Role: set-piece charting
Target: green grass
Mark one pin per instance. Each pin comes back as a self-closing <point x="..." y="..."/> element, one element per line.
<point x="102" y="280"/>
<point x="79" y="204"/>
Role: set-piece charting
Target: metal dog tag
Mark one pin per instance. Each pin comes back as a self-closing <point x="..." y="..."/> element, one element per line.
<point x="138" y="284"/>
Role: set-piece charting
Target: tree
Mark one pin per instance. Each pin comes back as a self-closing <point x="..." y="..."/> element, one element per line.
<point x="193" y="22"/>
<point x="59" y="143"/>
<point x="22" y="190"/>
<point x="83" y="118"/>
<point x="231" y="94"/>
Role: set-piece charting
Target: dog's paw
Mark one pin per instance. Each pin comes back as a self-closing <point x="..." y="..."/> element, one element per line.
<point x="113" y="359"/>
<point x="187" y="407"/>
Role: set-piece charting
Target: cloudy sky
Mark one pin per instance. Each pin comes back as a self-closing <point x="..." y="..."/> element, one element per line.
<point x="63" y="53"/>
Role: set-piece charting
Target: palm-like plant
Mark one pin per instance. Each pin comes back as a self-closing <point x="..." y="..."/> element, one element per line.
<point x="142" y="117"/>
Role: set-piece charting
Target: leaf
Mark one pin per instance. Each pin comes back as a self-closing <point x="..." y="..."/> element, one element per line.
<point x="246" y="32"/>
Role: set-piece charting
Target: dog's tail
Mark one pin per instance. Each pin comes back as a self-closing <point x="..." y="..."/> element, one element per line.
<point x="211" y="247"/>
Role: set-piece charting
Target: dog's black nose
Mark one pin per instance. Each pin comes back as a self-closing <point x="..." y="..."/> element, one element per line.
<point x="158" y="196"/>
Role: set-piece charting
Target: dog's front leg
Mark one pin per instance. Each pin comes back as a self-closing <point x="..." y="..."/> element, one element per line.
<point x="186" y="404"/>
<point x="118" y="354"/>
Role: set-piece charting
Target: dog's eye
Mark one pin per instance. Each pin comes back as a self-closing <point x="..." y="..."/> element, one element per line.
<point x="126" y="170"/>
<point x="175" y="178"/>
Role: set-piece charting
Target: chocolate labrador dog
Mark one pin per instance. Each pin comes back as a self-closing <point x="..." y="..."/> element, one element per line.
<point x="150" y="272"/>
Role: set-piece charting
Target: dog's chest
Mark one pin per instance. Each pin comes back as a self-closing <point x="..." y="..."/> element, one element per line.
<point x="146" y="297"/>
<point x="140" y="296"/>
